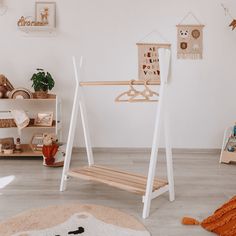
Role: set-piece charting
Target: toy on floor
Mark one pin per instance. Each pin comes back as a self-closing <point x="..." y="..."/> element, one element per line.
<point x="53" y="155"/>
<point x="222" y="222"/>
<point x="228" y="151"/>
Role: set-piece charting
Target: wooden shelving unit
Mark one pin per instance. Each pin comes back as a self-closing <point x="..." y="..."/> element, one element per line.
<point x="35" y="126"/>
<point x="57" y="126"/>
<point x="51" y="97"/>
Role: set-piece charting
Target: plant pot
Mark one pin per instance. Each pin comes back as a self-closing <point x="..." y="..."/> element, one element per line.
<point x="41" y="94"/>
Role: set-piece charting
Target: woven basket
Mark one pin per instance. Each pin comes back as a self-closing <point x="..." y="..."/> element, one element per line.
<point x="7" y="123"/>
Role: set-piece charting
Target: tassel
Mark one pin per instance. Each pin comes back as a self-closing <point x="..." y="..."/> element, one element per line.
<point x="189" y="221"/>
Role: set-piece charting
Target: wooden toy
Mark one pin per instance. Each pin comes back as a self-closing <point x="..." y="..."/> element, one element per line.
<point x="228" y="150"/>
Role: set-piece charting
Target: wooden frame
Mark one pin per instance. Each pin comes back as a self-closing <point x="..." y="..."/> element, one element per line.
<point x="34" y="145"/>
<point x="44" y="119"/>
<point x="148" y="60"/>
<point x="149" y="187"/>
<point x="6" y="142"/>
<point x="53" y="4"/>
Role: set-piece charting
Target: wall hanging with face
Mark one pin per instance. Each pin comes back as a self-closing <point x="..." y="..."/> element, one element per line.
<point x="189" y="41"/>
<point x="148" y="60"/>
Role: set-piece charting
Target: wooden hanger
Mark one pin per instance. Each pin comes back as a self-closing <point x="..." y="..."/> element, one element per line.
<point x="132" y="92"/>
<point x="146" y="94"/>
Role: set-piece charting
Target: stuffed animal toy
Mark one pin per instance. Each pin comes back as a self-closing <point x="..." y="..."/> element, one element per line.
<point x="49" y="139"/>
<point x="5" y="87"/>
<point x="50" y="148"/>
<point x="222" y="222"/>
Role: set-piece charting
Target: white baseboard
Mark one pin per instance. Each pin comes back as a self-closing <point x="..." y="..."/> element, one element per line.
<point x="148" y="150"/>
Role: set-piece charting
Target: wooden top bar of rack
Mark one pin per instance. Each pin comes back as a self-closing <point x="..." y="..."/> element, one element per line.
<point x="135" y="82"/>
<point x="160" y="45"/>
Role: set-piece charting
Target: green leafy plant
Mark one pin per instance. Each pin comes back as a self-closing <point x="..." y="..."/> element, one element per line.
<point x="42" y="81"/>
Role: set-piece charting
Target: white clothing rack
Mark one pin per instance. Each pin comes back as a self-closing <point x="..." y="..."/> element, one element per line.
<point x="149" y="187"/>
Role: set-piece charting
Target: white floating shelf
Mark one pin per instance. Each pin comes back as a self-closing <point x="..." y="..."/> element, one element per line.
<point x="38" y="30"/>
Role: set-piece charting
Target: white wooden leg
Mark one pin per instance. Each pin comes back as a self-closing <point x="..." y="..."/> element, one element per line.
<point x="169" y="160"/>
<point x="59" y="119"/>
<point x="86" y="131"/>
<point x="71" y="135"/>
<point x="78" y="103"/>
<point x="228" y="132"/>
<point x="154" y="156"/>
<point x="69" y="146"/>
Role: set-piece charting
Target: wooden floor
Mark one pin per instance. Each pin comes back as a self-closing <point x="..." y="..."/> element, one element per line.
<point x="201" y="183"/>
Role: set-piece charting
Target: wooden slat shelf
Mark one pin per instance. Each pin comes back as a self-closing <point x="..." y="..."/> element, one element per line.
<point x="28" y="99"/>
<point x="26" y="152"/>
<point x="51" y="97"/>
<point x="31" y="125"/>
<point x="116" y="178"/>
<point x="32" y="29"/>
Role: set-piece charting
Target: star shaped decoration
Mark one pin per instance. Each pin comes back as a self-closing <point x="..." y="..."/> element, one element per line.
<point x="233" y="24"/>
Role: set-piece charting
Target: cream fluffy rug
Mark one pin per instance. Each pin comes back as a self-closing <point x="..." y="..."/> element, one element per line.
<point x="73" y="219"/>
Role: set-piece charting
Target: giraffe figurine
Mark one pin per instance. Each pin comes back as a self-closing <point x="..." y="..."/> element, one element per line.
<point x="44" y="16"/>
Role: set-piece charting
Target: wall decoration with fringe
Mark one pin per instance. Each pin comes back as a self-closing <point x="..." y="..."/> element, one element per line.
<point x="190" y="39"/>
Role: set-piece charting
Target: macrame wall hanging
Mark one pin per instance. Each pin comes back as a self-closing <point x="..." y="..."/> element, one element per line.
<point x="190" y="39"/>
<point x="148" y="60"/>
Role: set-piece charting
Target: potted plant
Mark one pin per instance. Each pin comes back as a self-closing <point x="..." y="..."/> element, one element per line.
<point x="42" y="82"/>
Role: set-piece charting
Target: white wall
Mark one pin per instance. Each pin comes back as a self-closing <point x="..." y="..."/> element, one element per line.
<point x="105" y="32"/>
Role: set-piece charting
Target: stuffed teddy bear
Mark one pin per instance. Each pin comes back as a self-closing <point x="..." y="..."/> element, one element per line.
<point x="50" y="148"/>
<point x="49" y="139"/>
<point x="5" y="87"/>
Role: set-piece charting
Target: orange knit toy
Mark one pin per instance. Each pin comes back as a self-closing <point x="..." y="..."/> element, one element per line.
<point x="222" y="222"/>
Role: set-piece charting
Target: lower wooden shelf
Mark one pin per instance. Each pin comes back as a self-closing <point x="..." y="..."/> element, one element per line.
<point x="116" y="178"/>
<point x="228" y="157"/>
<point x="26" y="151"/>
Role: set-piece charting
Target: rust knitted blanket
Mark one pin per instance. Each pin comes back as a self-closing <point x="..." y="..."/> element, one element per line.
<point x="222" y="222"/>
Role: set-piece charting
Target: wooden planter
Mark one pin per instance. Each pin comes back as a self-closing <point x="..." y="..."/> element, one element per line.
<point x="41" y="94"/>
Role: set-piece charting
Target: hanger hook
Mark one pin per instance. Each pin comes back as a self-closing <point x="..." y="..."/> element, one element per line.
<point x="146" y="83"/>
<point x="131" y="83"/>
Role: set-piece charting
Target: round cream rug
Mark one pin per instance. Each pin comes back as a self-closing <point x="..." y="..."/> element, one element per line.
<point x="84" y="220"/>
